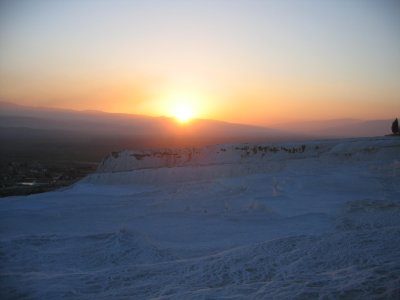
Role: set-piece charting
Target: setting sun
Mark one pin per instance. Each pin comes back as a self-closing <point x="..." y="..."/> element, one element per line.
<point x="183" y="106"/>
<point x="183" y="113"/>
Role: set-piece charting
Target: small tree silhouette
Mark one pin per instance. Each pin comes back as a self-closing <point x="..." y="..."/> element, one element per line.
<point x="395" y="126"/>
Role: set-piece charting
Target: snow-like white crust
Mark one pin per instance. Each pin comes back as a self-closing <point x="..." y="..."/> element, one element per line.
<point x="271" y="221"/>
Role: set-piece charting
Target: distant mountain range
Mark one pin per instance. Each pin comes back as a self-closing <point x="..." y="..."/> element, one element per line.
<point x="49" y="132"/>
<point x="339" y="128"/>
<point x="44" y="133"/>
<point x="98" y="123"/>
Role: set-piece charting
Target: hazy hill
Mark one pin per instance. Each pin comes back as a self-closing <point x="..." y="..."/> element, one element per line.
<point x="90" y="135"/>
<point x="339" y="128"/>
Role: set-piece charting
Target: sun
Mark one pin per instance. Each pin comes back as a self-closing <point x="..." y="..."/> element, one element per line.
<point x="182" y="106"/>
<point x="183" y="113"/>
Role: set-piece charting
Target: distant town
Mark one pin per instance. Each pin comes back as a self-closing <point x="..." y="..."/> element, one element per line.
<point x="24" y="178"/>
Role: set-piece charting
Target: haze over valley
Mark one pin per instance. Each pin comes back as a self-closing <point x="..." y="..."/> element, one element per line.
<point x="93" y="134"/>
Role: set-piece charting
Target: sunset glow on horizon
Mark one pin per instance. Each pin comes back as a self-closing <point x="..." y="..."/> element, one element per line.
<point x="252" y="62"/>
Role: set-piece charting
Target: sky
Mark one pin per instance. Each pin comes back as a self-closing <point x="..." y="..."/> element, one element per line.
<point x="243" y="61"/>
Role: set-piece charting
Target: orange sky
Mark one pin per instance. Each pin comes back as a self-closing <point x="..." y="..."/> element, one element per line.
<point x="248" y="62"/>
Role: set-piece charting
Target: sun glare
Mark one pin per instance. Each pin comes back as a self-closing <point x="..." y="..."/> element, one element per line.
<point x="183" y="113"/>
<point x="183" y="106"/>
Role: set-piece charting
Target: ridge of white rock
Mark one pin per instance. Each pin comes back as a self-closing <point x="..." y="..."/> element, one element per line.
<point x="188" y="164"/>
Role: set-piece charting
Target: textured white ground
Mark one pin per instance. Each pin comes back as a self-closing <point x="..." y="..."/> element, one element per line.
<point x="232" y="222"/>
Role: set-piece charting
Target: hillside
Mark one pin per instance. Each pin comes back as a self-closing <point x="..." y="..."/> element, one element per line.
<point x="339" y="128"/>
<point x="30" y="133"/>
<point x="99" y="124"/>
<point x="295" y="220"/>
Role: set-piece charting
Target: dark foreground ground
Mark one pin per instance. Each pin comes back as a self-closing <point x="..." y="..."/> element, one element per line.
<point x="22" y="177"/>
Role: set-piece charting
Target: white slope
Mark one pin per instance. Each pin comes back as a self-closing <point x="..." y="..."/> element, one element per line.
<point x="278" y="221"/>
